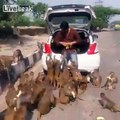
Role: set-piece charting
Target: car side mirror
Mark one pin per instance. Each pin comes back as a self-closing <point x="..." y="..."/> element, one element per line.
<point x="95" y="36"/>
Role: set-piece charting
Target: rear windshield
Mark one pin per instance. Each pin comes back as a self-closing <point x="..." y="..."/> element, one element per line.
<point x="71" y="18"/>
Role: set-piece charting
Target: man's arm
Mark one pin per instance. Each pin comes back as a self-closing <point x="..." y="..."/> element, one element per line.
<point x="77" y="38"/>
<point x="57" y="38"/>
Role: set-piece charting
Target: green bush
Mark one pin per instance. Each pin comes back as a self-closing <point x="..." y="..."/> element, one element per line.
<point x="39" y="22"/>
<point x="22" y="21"/>
<point x="4" y="23"/>
<point x="5" y="29"/>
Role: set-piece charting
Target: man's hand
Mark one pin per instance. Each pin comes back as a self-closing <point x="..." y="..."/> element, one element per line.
<point x="67" y="43"/>
<point x="63" y="43"/>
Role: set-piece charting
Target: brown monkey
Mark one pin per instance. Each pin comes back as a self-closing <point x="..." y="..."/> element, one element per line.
<point x="5" y="62"/>
<point x="50" y="66"/>
<point x="111" y="81"/>
<point x="24" y="78"/>
<point x="46" y="102"/>
<point x="68" y="92"/>
<point x="105" y="102"/>
<point x="11" y="94"/>
<point x="21" y="113"/>
<point x="40" y="77"/>
<point x="57" y="69"/>
<point x="96" y="79"/>
<point x="10" y="113"/>
<point x="75" y="72"/>
<point x="82" y="87"/>
<point x="17" y="55"/>
<point x="64" y="76"/>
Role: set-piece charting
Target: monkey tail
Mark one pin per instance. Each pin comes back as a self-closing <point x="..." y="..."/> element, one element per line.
<point x="103" y="86"/>
<point x="116" y="108"/>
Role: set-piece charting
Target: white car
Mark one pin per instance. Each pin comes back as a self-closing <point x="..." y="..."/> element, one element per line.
<point x="79" y="17"/>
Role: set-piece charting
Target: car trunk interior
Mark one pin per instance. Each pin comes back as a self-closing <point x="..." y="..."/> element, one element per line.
<point x="80" y="48"/>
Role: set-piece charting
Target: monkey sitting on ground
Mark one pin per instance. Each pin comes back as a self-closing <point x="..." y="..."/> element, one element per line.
<point x="75" y="73"/>
<point x="50" y="66"/>
<point x="11" y="94"/>
<point x="105" y="102"/>
<point x="40" y="77"/>
<point x="111" y="81"/>
<point x="46" y="102"/>
<point x="24" y="78"/>
<point x="6" y="61"/>
<point x="95" y="79"/>
<point x="68" y="92"/>
<point x="57" y="71"/>
<point x="10" y="113"/>
<point x="17" y="55"/>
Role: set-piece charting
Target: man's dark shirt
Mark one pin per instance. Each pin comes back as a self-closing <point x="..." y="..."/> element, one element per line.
<point x="70" y="36"/>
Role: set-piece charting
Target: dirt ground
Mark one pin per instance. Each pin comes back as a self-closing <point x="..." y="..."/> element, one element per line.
<point x="89" y="108"/>
<point x="7" y="46"/>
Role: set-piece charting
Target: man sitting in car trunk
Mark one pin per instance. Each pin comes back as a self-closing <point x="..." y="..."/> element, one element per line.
<point x="68" y="37"/>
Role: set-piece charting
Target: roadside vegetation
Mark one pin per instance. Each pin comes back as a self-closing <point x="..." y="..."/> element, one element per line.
<point x="103" y="15"/>
<point x="7" y="20"/>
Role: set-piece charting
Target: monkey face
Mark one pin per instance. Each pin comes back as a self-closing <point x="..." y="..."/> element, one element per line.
<point x="71" y="92"/>
<point x="102" y="95"/>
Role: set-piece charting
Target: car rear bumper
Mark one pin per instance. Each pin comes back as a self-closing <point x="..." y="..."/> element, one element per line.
<point x="87" y="63"/>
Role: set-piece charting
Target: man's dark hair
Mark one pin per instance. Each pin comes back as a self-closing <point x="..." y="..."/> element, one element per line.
<point x="64" y="25"/>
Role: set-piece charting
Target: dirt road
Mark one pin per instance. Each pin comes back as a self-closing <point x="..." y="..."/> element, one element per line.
<point x="89" y="109"/>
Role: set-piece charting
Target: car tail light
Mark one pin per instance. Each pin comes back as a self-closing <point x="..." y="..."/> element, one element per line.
<point x="46" y="48"/>
<point x="92" y="49"/>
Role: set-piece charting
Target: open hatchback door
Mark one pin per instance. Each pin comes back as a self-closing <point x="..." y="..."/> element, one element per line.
<point x="78" y="16"/>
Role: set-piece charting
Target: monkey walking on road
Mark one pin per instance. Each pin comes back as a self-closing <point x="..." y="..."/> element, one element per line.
<point x="106" y="103"/>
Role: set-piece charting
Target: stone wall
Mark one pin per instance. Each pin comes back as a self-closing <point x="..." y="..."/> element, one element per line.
<point x="32" y="30"/>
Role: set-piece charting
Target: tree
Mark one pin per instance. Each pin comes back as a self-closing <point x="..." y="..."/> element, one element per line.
<point x="22" y="21"/>
<point x="103" y="14"/>
<point x="3" y="15"/>
<point x="39" y="9"/>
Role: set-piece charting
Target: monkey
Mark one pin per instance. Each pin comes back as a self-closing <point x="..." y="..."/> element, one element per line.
<point x="77" y="76"/>
<point x="106" y="103"/>
<point x="24" y="78"/>
<point x="46" y="102"/>
<point x="96" y="79"/>
<point x="68" y="92"/>
<point x="17" y="55"/>
<point x="111" y="81"/>
<point x="40" y="77"/>
<point x="57" y="65"/>
<point x="11" y="94"/>
<point x="50" y="66"/>
<point x="9" y="113"/>
<point x="5" y="62"/>
<point x="82" y="87"/>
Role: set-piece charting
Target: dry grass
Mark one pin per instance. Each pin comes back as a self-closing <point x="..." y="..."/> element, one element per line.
<point x="7" y="46"/>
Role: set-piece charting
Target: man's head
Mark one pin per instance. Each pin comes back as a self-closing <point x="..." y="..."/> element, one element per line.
<point x="64" y="26"/>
